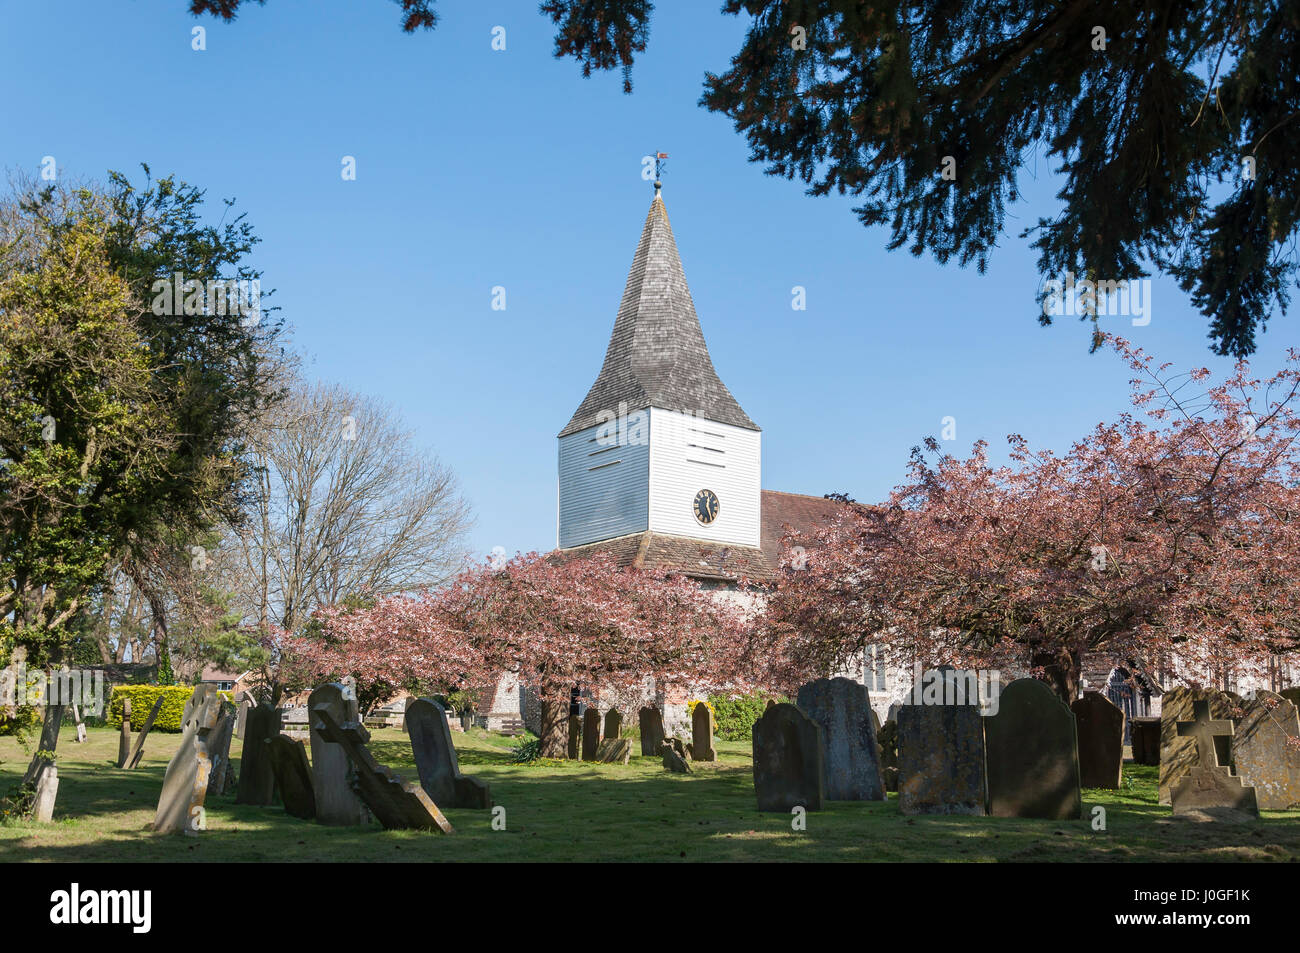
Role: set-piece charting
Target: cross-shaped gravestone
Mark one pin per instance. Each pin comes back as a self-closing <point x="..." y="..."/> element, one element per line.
<point x="1205" y="729"/>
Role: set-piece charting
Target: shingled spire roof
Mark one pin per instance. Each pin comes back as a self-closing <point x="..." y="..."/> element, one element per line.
<point x="657" y="356"/>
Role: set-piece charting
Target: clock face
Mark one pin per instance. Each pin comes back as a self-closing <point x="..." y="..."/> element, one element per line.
<point x="706" y="506"/>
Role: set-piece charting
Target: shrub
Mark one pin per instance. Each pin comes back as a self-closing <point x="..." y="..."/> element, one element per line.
<point x="733" y="718"/>
<point x="142" y="702"/>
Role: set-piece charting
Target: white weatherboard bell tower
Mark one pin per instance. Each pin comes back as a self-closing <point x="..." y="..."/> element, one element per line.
<point x="659" y="451"/>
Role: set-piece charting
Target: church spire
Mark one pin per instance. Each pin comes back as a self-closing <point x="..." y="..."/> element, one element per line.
<point x="656" y="355"/>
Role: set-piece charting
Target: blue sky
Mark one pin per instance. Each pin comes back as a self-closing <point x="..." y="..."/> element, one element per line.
<point x="478" y="168"/>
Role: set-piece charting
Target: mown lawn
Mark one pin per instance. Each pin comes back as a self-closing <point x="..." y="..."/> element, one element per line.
<point x="575" y="811"/>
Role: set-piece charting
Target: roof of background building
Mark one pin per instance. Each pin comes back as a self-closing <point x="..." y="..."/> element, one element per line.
<point x="656" y="355"/>
<point x="722" y="562"/>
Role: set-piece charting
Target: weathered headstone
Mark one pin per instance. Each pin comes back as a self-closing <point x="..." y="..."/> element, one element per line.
<point x="436" y="760"/>
<point x="887" y="742"/>
<point x="1178" y="752"/>
<point x="246" y="704"/>
<point x="788" y="769"/>
<point x="1264" y="755"/>
<point x="221" y="777"/>
<point x="674" y="759"/>
<point x="124" y="737"/>
<point x="590" y="733"/>
<point x="702" y="734"/>
<point x="256" y="773"/>
<point x="614" y="751"/>
<point x="1208" y="786"/>
<point x="47" y="789"/>
<point x="940" y="760"/>
<point x="337" y="803"/>
<point x="137" y="752"/>
<point x="185" y="785"/>
<point x="1145" y="733"/>
<point x="287" y="759"/>
<point x="842" y="708"/>
<point x="396" y="804"/>
<point x="575" y="737"/>
<point x="1031" y="754"/>
<point x="1100" y="727"/>
<point x="652" y="731"/>
<point x="613" y="724"/>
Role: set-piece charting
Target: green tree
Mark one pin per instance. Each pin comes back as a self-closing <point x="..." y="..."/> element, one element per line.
<point x="1172" y="125"/>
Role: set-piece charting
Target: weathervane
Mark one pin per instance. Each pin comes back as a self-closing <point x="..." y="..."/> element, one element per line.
<point x="660" y="165"/>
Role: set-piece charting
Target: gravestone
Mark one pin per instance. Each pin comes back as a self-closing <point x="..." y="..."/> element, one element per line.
<point x="395" y="803"/>
<point x="674" y="759"/>
<point x="221" y="778"/>
<point x="940" y="760"/>
<point x="337" y="804"/>
<point x="842" y="708"/>
<point x="1100" y="727"/>
<point x="256" y="773"/>
<point x="1208" y="787"/>
<point x="1178" y="752"/>
<point x="788" y="770"/>
<point x="1145" y="734"/>
<point x="292" y="776"/>
<point x="436" y="760"/>
<point x="124" y="737"/>
<point x="138" y="751"/>
<point x="1263" y="754"/>
<point x="887" y="742"/>
<point x="614" y="751"/>
<point x="241" y="716"/>
<point x="613" y="724"/>
<point x="590" y="733"/>
<point x="185" y="785"/>
<point x="1031" y="752"/>
<point x="1292" y="695"/>
<point x="652" y="731"/>
<point x="47" y="789"/>
<point x="575" y="738"/>
<point x="702" y="734"/>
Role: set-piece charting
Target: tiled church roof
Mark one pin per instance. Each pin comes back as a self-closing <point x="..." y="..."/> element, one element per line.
<point x="657" y="356"/>
<point x="722" y="562"/>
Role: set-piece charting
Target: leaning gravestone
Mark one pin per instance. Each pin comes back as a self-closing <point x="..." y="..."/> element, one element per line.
<point x="575" y="738"/>
<point x="1209" y="787"/>
<point x="287" y="759"/>
<point x="1032" y="754"/>
<point x="851" y="760"/>
<point x="590" y="733"/>
<point x="185" y="785"/>
<point x="788" y="770"/>
<point x="614" y="751"/>
<point x="652" y="731"/>
<point x="124" y="738"/>
<point x="940" y="760"/>
<point x="47" y="790"/>
<point x="613" y="724"/>
<point x="1177" y="751"/>
<point x="1264" y="753"/>
<point x="1100" y="727"/>
<point x="256" y="773"/>
<point x="138" y="751"/>
<point x="436" y="760"/>
<point x="337" y="803"/>
<point x="396" y="804"/>
<point x="246" y="705"/>
<point x="702" y="733"/>
<point x="1145" y="733"/>
<point x="221" y="778"/>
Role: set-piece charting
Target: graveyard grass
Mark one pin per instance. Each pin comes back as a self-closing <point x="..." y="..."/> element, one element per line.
<point x="572" y="811"/>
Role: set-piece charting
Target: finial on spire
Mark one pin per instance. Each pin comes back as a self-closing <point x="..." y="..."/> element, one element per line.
<point x="660" y="165"/>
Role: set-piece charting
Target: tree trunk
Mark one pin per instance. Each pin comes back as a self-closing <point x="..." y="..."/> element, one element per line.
<point x="1063" y="669"/>
<point x="554" y="736"/>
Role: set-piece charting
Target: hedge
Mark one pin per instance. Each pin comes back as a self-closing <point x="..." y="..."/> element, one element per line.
<point x="142" y="702"/>
<point x="734" y="717"/>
